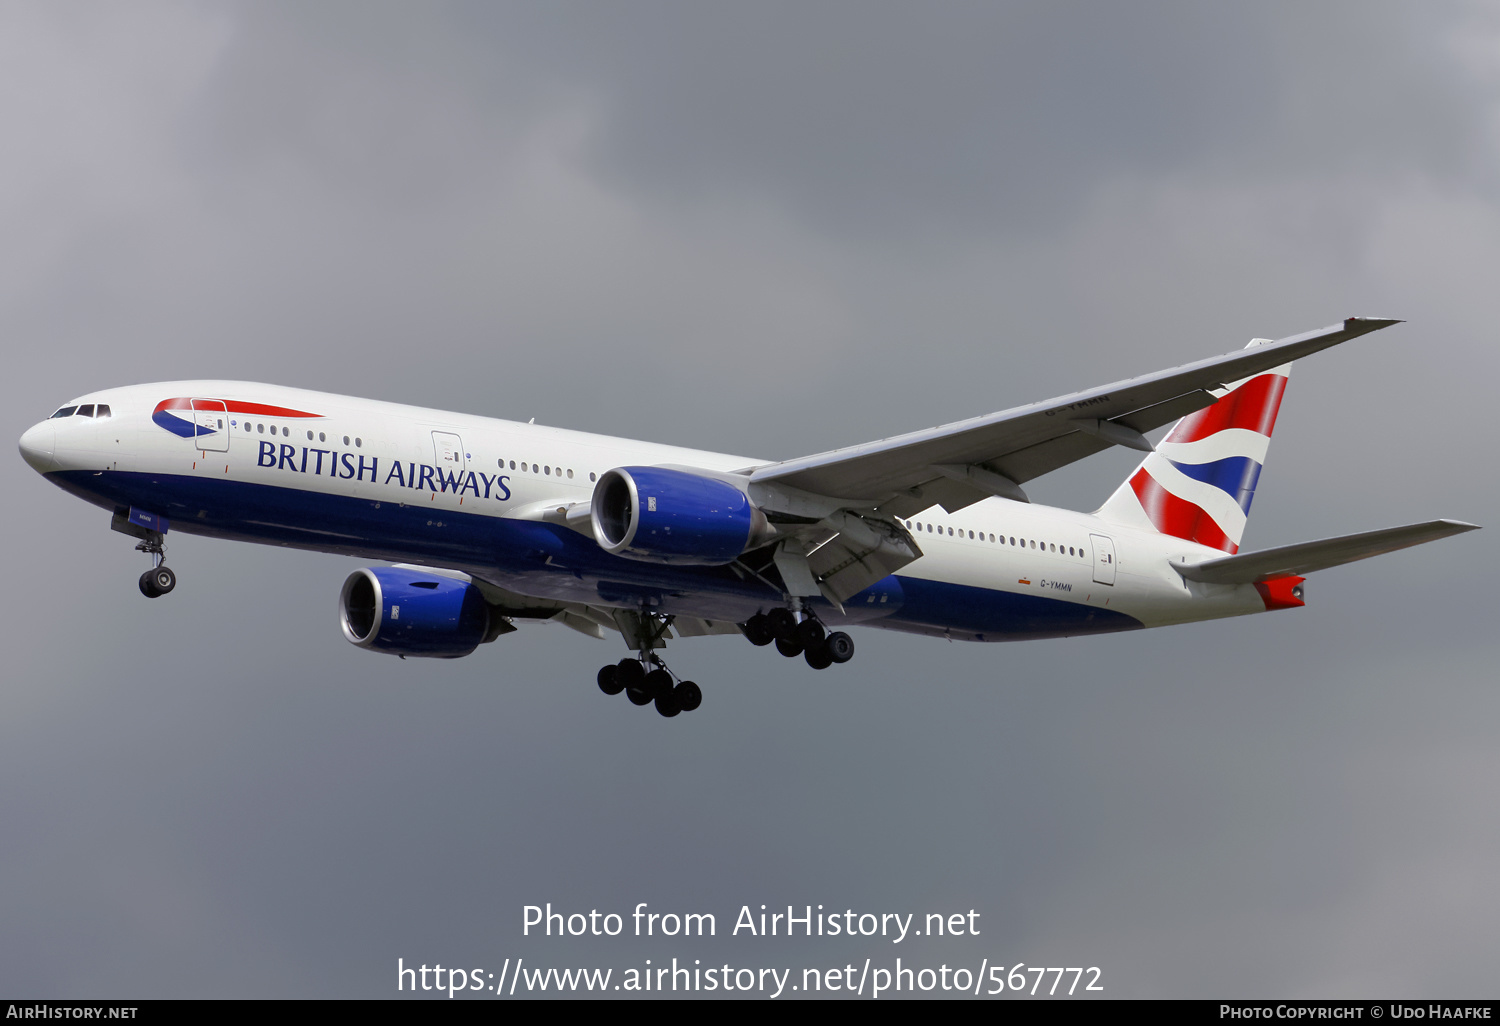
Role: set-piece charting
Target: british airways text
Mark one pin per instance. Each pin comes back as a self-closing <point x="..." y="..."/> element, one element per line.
<point x="416" y="476"/>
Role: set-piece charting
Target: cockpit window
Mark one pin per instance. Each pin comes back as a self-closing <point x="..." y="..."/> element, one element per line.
<point x="86" y="411"/>
<point x="101" y="411"/>
<point x="66" y="411"/>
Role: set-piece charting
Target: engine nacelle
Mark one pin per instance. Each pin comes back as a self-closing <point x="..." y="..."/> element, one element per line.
<point x="413" y="612"/>
<point x="672" y="516"/>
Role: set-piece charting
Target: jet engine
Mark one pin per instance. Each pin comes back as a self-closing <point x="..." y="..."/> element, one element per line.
<point x="658" y="515"/>
<point x="410" y="611"/>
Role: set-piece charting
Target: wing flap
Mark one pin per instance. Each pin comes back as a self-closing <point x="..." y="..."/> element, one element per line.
<point x="1306" y="557"/>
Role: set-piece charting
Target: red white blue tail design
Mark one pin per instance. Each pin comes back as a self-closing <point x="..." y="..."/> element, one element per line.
<point x="1200" y="481"/>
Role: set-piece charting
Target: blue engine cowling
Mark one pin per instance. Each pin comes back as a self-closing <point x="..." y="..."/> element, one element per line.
<point x="413" y="612"/>
<point x="672" y="516"/>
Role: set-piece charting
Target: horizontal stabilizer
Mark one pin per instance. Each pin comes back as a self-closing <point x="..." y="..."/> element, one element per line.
<point x="1296" y="560"/>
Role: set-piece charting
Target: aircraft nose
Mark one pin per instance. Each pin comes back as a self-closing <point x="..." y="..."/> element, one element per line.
<point x="37" y="447"/>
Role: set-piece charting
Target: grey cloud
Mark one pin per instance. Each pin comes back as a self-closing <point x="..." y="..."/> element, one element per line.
<point x="771" y="230"/>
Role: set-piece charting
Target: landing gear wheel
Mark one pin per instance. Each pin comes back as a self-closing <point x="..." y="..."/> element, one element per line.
<point x="609" y="679"/>
<point x="790" y="649"/>
<point x="758" y="630"/>
<point x="840" y="646"/>
<point x="667" y="704"/>
<point x="631" y="674"/>
<point x="638" y="696"/>
<point x="782" y="623"/>
<point x="688" y="696"/>
<point x="818" y="658"/>
<point x="164" y="579"/>
<point x="811" y="633"/>
<point x="148" y="585"/>
<point x="658" y="684"/>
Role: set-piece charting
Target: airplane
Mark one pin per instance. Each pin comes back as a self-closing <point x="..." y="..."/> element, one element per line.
<point x="487" y="522"/>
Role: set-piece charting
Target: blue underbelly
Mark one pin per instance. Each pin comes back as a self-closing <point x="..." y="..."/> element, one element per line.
<point x="549" y="561"/>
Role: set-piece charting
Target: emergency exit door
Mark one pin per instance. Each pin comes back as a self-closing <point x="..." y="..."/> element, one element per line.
<point x="210" y="425"/>
<point x="1104" y="559"/>
<point x="449" y="450"/>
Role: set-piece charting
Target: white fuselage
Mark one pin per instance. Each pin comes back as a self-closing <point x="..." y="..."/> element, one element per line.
<point x="340" y="474"/>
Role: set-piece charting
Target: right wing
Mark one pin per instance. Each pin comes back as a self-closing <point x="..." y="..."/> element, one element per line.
<point x="959" y="464"/>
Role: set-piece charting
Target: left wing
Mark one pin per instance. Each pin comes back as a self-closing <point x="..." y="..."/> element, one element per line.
<point x="959" y="464"/>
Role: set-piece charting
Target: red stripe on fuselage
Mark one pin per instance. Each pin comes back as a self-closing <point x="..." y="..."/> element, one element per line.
<point x="1173" y="515"/>
<point x="234" y="406"/>
<point x="1253" y="406"/>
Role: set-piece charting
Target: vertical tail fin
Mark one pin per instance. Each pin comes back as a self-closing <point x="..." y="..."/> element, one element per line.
<point x="1200" y="481"/>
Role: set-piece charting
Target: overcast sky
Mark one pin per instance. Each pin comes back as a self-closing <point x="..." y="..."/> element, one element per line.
<point x="767" y="228"/>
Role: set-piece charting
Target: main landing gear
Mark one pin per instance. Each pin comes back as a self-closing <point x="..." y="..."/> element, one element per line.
<point x="159" y="580"/>
<point x="807" y="637"/>
<point x="644" y="686"/>
<point x="647" y="680"/>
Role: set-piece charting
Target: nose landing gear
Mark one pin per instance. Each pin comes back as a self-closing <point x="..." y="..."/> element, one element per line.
<point x="159" y="580"/>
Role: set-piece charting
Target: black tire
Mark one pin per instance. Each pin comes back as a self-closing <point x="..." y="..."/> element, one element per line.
<point x="811" y="633"/>
<point x="790" y="649"/>
<point x="637" y="696"/>
<point x="667" y="705"/>
<point x="840" y="646"/>
<point x="630" y="673"/>
<point x="164" y="580"/>
<point x="758" y="630"/>
<point x="148" y="587"/>
<point x="818" y="657"/>
<point x="688" y="695"/>
<point x="782" y="623"/>
<point x="609" y="679"/>
<point x="658" y="683"/>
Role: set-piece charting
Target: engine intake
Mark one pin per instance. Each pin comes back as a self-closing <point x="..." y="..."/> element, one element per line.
<point x="413" y="612"/>
<point x="673" y="516"/>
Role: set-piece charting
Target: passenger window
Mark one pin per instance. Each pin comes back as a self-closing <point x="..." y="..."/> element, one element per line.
<point x="591" y="475"/>
<point x="260" y="429"/>
<point x="950" y="532"/>
<point x="309" y="436"/>
<point x="570" y="473"/>
<point x="322" y="437"/>
<point x="992" y="539"/>
<point x="86" y="411"/>
<point x="548" y="471"/>
<point x="346" y="439"/>
<point x="971" y="536"/>
<point x="359" y="443"/>
<point x="66" y="411"/>
<point x="286" y="432"/>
